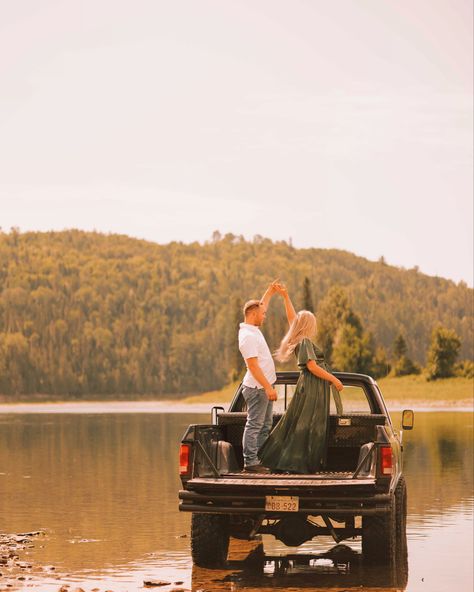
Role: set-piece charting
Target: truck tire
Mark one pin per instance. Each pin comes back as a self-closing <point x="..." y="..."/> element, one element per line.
<point x="384" y="538"/>
<point x="379" y="537"/>
<point x="209" y="539"/>
<point x="401" y="518"/>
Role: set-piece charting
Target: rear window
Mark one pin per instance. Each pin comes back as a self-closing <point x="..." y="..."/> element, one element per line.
<point x="354" y="399"/>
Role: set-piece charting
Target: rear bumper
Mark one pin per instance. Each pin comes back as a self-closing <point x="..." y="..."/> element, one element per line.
<point x="348" y="501"/>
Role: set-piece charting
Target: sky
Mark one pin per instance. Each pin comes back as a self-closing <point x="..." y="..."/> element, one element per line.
<point x="344" y="124"/>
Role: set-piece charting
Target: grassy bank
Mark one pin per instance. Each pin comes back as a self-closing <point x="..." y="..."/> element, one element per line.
<point x="451" y="391"/>
<point x="406" y="390"/>
<point x="224" y="395"/>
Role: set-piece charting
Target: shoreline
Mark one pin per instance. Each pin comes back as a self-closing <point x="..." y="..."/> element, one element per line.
<point x="95" y="407"/>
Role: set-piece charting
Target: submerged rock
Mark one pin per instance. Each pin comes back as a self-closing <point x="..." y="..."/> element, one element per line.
<point x="11" y="546"/>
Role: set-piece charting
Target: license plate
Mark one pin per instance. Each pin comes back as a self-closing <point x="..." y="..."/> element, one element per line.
<point x="281" y="503"/>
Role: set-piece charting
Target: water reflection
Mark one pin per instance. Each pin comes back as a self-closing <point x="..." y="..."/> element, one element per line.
<point x="338" y="568"/>
<point x="104" y="488"/>
<point x="107" y="479"/>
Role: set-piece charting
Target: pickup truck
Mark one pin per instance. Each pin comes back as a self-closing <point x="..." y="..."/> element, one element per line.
<point x="361" y="492"/>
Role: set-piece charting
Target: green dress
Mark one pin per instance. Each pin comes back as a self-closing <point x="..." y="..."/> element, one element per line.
<point x="298" y="443"/>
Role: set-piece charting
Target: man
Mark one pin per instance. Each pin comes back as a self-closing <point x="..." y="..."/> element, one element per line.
<point x="258" y="390"/>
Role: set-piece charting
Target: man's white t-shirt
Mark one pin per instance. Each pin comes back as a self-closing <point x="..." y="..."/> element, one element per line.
<point x="252" y="344"/>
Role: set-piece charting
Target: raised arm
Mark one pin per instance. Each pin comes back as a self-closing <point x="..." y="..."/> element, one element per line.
<point x="272" y="288"/>
<point x="289" y="308"/>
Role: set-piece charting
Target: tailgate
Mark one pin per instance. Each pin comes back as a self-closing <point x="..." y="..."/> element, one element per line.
<point x="323" y="493"/>
<point x="277" y="481"/>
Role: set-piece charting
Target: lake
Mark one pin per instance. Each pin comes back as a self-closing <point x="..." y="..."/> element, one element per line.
<point x="103" y="488"/>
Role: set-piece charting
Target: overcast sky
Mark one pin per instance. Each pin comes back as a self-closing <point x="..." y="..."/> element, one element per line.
<point x="342" y="123"/>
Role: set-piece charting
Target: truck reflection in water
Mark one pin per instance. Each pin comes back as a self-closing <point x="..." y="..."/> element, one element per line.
<point x="340" y="568"/>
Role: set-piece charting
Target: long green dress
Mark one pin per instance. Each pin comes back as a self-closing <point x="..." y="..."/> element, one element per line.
<point x="298" y="443"/>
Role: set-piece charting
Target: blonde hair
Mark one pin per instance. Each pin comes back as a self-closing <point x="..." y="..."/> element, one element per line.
<point x="303" y="325"/>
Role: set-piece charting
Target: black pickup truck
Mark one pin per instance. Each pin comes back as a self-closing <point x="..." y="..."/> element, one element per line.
<point x="362" y="491"/>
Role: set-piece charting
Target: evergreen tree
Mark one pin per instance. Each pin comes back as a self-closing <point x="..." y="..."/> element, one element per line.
<point x="403" y="365"/>
<point x="334" y="312"/>
<point x="307" y="297"/>
<point x="238" y="364"/>
<point x="399" y="347"/>
<point x="444" y="350"/>
<point x="380" y="366"/>
<point x="353" y="350"/>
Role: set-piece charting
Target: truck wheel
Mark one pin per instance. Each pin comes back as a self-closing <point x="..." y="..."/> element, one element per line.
<point x="209" y="539"/>
<point x="384" y="537"/>
<point x="379" y="537"/>
<point x="401" y="518"/>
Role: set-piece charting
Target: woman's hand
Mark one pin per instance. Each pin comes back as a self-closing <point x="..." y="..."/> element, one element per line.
<point x="281" y="289"/>
<point x="337" y="383"/>
<point x="289" y="308"/>
<point x="274" y="285"/>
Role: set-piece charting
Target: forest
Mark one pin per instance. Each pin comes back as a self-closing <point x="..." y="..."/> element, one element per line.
<point x="85" y="313"/>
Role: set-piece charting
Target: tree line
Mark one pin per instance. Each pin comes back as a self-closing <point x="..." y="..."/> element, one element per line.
<point x="87" y="313"/>
<point x="348" y="345"/>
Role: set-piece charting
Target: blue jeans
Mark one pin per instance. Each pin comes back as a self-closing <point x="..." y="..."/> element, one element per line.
<point x="258" y="425"/>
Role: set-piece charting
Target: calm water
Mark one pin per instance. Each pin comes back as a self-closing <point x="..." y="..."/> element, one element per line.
<point x="104" y="489"/>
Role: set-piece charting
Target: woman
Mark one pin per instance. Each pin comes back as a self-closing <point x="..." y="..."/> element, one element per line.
<point x="298" y="444"/>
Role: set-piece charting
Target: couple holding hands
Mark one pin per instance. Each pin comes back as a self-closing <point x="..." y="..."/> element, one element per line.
<point x="297" y="444"/>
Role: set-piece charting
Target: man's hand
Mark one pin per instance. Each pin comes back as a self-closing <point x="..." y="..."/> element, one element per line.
<point x="269" y="293"/>
<point x="271" y="394"/>
<point x="256" y="371"/>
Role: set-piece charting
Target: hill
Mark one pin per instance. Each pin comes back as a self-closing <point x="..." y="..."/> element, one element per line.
<point x="87" y="313"/>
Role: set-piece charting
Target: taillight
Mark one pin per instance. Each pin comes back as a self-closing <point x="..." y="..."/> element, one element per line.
<point x="386" y="460"/>
<point x="184" y="456"/>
